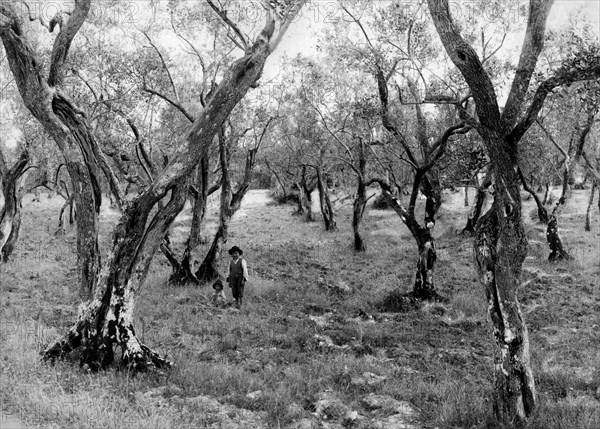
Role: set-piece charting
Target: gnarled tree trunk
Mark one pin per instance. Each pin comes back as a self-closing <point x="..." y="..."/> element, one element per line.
<point x="424" y="287"/>
<point x="325" y="202"/>
<point x="183" y="271"/>
<point x="10" y="207"/>
<point x="305" y="190"/>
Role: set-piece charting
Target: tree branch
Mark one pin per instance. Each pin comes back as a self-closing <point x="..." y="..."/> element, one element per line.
<point x="164" y="63"/>
<point x="62" y="43"/>
<point x="172" y="102"/>
<point x="466" y="60"/>
<point x="571" y="72"/>
<point x="242" y="43"/>
<point x="530" y="51"/>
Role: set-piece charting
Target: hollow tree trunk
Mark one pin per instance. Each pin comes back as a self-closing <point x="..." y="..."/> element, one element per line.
<point x="10" y="207"/>
<point x="542" y="212"/>
<point x="588" y="212"/>
<point x="325" y="202"/>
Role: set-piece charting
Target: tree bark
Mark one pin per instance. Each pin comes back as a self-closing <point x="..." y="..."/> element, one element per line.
<point x="588" y="212"/>
<point x="10" y="207"/>
<point x="542" y="212"/>
<point x="183" y="271"/>
<point x="66" y="123"/>
<point x="475" y="211"/>
<point x="424" y="287"/>
<point x="107" y="320"/>
<point x="325" y="202"/>
<point x="360" y="201"/>
<point x="305" y="191"/>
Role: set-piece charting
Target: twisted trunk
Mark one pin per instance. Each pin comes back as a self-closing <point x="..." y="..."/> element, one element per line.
<point x="424" y="287"/>
<point x="107" y="320"/>
<point x="10" y="207"/>
<point x="500" y="249"/>
<point x="557" y="250"/>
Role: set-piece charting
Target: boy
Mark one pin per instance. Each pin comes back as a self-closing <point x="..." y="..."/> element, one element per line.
<point x="238" y="275"/>
<point x="218" y="297"/>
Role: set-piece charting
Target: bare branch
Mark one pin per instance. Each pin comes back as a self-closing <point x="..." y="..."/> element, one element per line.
<point x="242" y="43"/>
<point x="164" y="63"/>
<point x="172" y="102"/>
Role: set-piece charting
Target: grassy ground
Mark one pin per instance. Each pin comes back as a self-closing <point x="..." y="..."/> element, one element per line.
<point x="438" y="358"/>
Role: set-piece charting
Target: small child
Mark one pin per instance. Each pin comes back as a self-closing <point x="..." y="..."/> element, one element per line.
<point x="238" y="275"/>
<point x="218" y="297"/>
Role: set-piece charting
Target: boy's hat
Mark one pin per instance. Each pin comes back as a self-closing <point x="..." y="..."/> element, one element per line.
<point x="236" y="249"/>
<point x="218" y="283"/>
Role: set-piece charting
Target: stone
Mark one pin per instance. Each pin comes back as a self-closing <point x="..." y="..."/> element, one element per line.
<point x="330" y="407"/>
<point x="303" y="424"/>
<point x="341" y="287"/>
<point x="224" y="416"/>
<point x="387" y="403"/>
<point x="396" y="421"/>
<point x="294" y="410"/>
<point x="253" y="396"/>
<point x="367" y="379"/>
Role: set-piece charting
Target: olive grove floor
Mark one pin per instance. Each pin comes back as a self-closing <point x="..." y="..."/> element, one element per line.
<point x="310" y="348"/>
